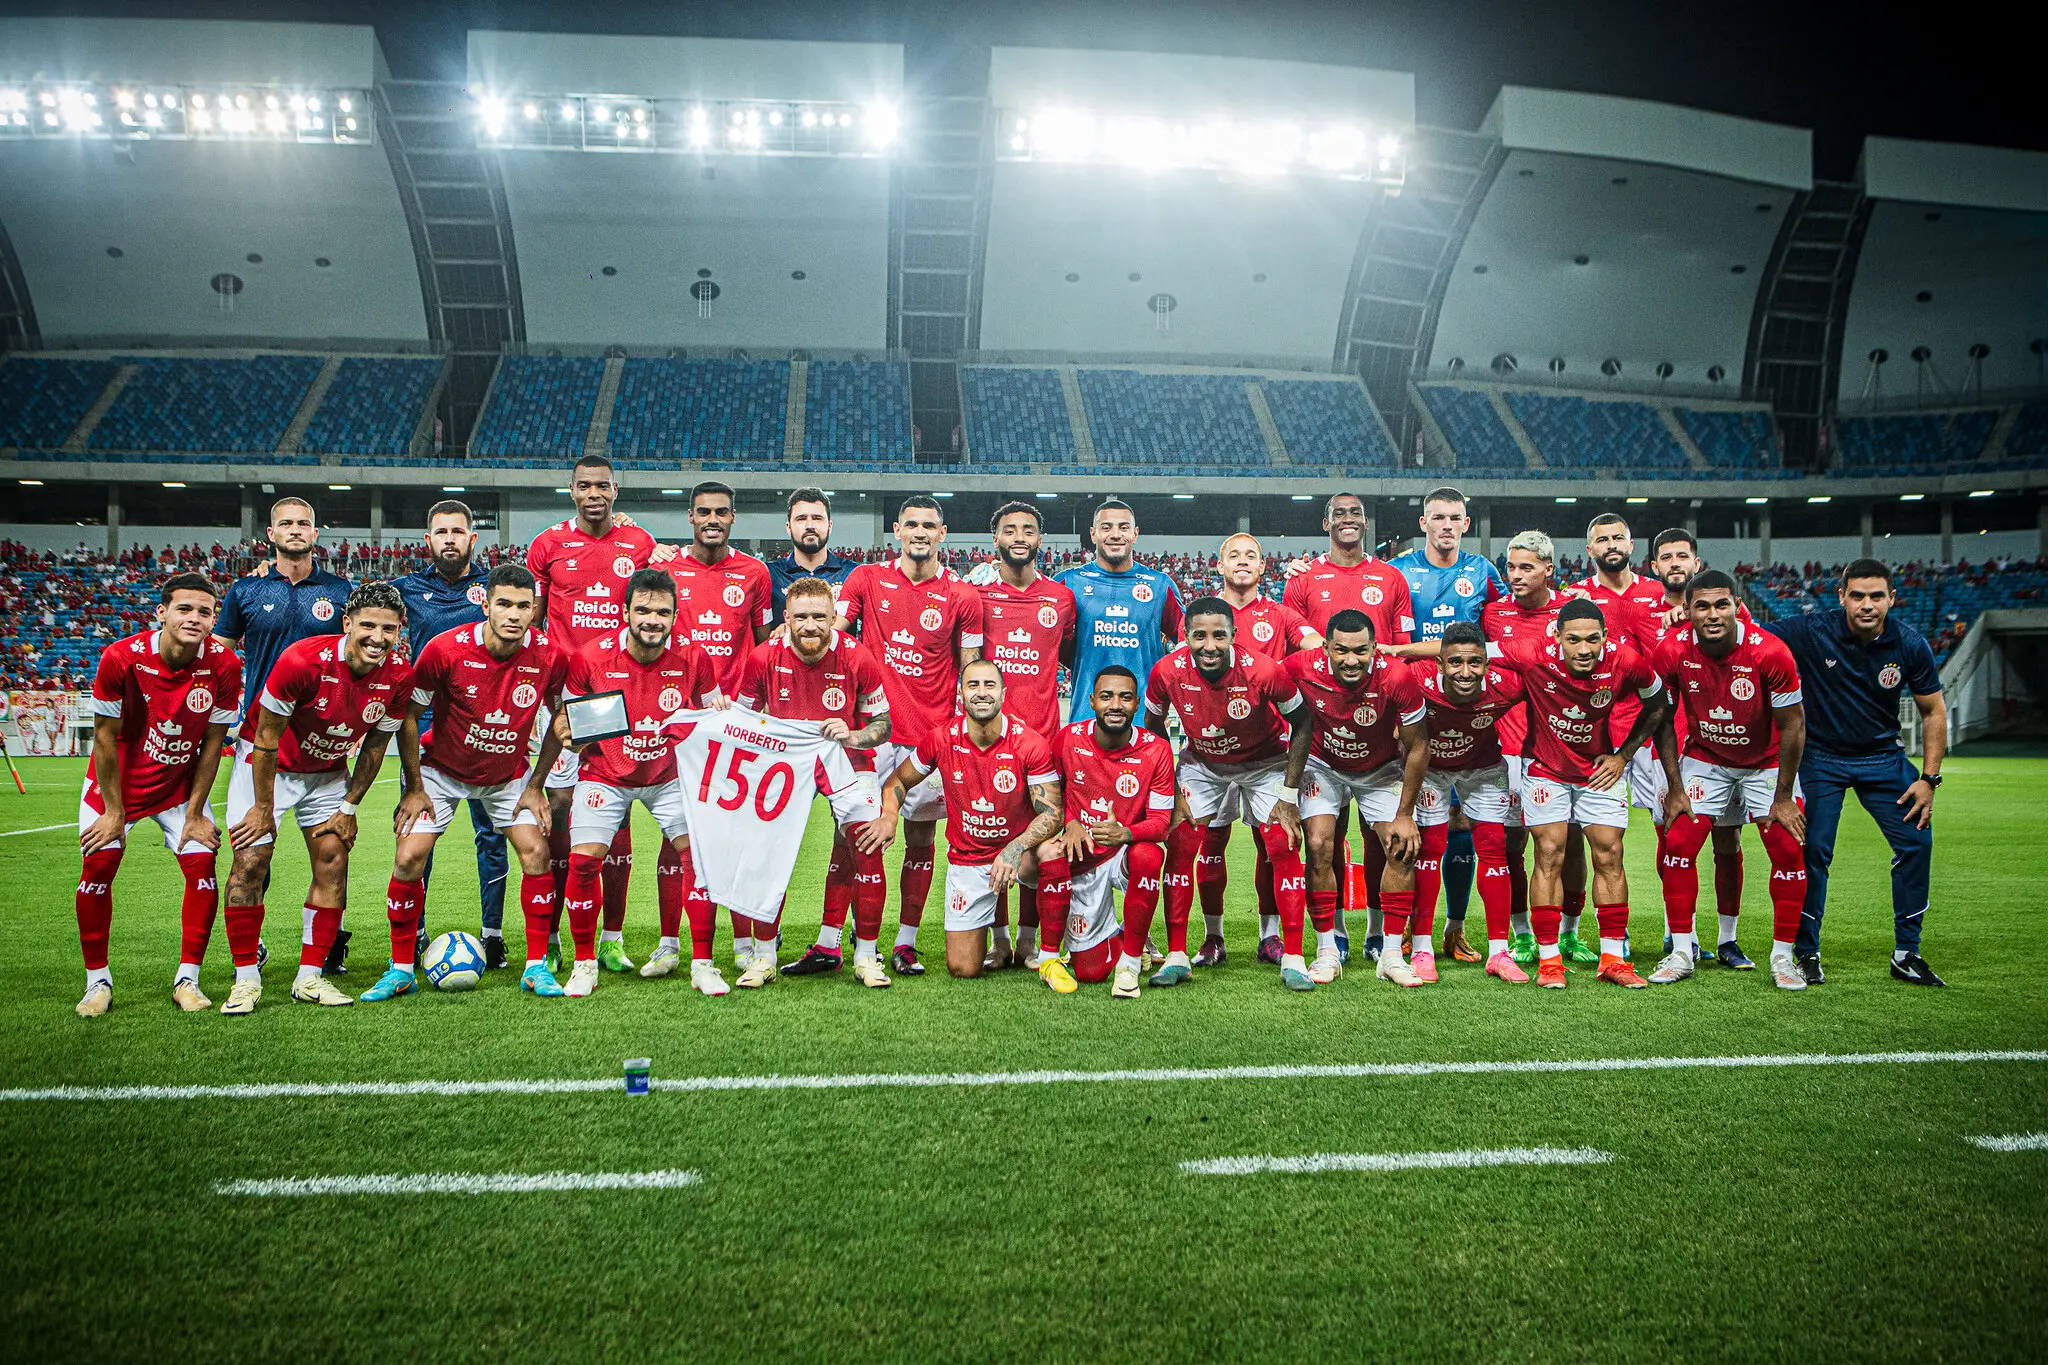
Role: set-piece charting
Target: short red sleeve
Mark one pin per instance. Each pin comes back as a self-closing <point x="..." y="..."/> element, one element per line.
<point x="853" y="595"/>
<point x="1155" y="690"/>
<point x="1406" y="694"/>
<point x="706" y="684"/>
<point x="969" y="619"/>
<point x="927" y="753"/>
<point x="762" y="590"/>
<point x="1780" y="672"/>
<point x="1038" y="764"/>
<point x="227" y="697"/>
<point x="753" y="688"/>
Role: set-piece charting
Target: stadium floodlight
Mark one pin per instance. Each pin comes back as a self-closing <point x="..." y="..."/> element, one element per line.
<point x="1911" y="497"/>
<point x="1820" y="498"/>
<point x="1183" y="497"/>
<point x="340" y="487"/>
<point x="1304" y="497"/>
<point x="345" y="105"/>
<point x="30" y="483"/>
<point x="671" y="492"/>
<point x="173" y="483"/>
<point x="883" y="123"/>
<point x="809" y="118"/>
<point x="1756" y="502"/>
<point x="1337" y="149"/>
<point x="1567" y="499"/>
<point x="1982" y="493"/>
<point x="453" y="488"/>
<point x="1063" y="135"/>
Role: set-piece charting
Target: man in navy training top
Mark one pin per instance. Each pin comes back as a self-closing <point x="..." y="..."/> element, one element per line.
<point x="1446" y="584"/>
<point x="810" y="536"/>
<point x="1854" y="662"/>
<point x="1124" y="612"/>
<point x="446" y="594"/>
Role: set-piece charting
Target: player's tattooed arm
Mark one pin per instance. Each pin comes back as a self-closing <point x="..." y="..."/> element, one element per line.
<point x="1045" y="822"/>
<point x="875" y="732"/>
<point x="878" y="833"/>
<point x="1608" y="768"/>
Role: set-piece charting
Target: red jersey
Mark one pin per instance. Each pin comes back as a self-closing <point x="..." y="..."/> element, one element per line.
<point x="1635" y="617"/>
<point x="1132" y="785"/>
<point x="1234" y="720"/>
<point x="720" y="606"/>
<point x="1355" y="729"/>
<point x="484" y="707"/>
<point x="917" y="631"/>
<point x="988" y="791"/>
<point x="164" y="713"/>
<point x="1506" y="620"/>
<point x="1374" y="587"/>
<point x="682" y="678"/>
<point x="1729" y="700"/>
<point x="1272" y="628"/>
<point x="581" y="579"/>
<point x="1467" y="738"/>
<point x="1568" y="713"/>
<point x="1659" y="634"/>
<point x="1026" y="628"/>
<point x="327" y="708"/>
<point x="844" y="684"/>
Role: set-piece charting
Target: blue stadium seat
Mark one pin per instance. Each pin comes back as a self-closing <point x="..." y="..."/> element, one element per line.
<point x="540" y="407"/>
<point x="1171" y="419"/>
<point x="2026" y="445"/>
<point x="179" y="403"/>
<point x="1015" y="416"/>
<point x="1913" y="443"/>
<point x="857" y="412"/>
<point x="1477" y="435"/>
<point x="41" y="401"/>
<point x="671" y="410"/>
<point x="373" y="406"/>
<point x="1612" y="435"/>
<point x="1732" y="441"/>
<point x="1327" y="423"/>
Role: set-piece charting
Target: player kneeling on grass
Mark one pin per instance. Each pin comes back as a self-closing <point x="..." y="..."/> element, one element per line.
<point x="325" y="698"/>
<point x="1570" y="684"/>
<point x="485" y="683"/>
<point x="1365" y="713"/>
<point x="1745" y="731"/>
<point x="1002" y="802"/>
<point x="161" y="703"/>
<point x="1231" y="704"/>
<point x="1118" y="786"/>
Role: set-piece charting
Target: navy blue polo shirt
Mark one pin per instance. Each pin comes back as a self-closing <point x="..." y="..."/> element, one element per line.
<point x="268" y="613"/>
<point x="1852" y="689"/>
<point x="433" y="605"/>
<point x="785" y="571"/>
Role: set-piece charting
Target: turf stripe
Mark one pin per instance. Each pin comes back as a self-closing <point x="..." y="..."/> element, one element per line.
<point x="943" y="1080"/>
<point x="1319" y="1162"/>
<point x="461" y="1184"/>
<point x="2014" y="1142"/>
<point x="39" y="829"/>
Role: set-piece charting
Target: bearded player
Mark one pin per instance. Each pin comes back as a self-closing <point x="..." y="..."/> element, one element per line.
<point x="925" y="626"/>
<point x="486" y="683"/>
<point x="580" y="568"/>
<point x="1002" y="801"/>
<point x="813" y="672"/>
<point x="1235" y="708"/>
<point x="1368" y="748"/>
<point x="1571" y="684"/>
<point x="1745" y="733"/>
<point x="161" y="704"/>
<point x="326" y="697"/>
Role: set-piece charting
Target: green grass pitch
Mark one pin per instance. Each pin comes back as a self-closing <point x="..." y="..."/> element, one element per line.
<point x="1820" y="1211"/>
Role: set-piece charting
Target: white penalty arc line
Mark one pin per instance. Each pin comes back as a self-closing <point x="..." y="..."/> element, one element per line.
<point x="510" y="1183"/>
<point x="2013" y="1142"/>
<point x="959" y="1079"/>
<point x="1319" y="1162"/>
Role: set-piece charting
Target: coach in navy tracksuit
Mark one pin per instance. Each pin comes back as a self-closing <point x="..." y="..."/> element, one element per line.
<point x="439" y="598"/>
<point x="810" y="530"/>
<point x="1853" y="664"/>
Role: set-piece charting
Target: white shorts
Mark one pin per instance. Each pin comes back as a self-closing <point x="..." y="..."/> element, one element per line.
<point x="1545" y="802"/>
<point x="501" y="803"/>
<point x="315" y="796"/>
<point x="1518" y="772"/>
<point x="171" y="822"/>
<point x="856" y="804"/>
<point x="924" y="802"/>
<point x="970" y="901"/>
<point x="1091" y="913"/>
<point x="1482" y="793"/>
<point x="598" y="809"/>
<point x="1645" y="780"/>
<point x="1326" y="791"/>
<point x="1210" y="788"/>
<point x="1732" y="796"/>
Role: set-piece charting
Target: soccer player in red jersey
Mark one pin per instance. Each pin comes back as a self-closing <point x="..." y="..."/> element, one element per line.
<point x="580" y="568"/>
<point x="658" y="672"/>
<point x="1348" y="575"/>
<point x="813" y="672"/>
<point x="1028" y="624"/>
<point x="1118" y="784"/>
<point x="924" y="625"/>
<point x="327" y="697"/>
<point x="1276" y="631"/>
<point x="1746" y="731"/>
<point x="1235" y="708"/>
<point x="486" y="683"/>
<point x="1003" y="801"/>
<point x="1570" y="685"/>
<point x="161" y="704"/>
<point x="1467" y="698"/>
<point x="1365" y="713"/>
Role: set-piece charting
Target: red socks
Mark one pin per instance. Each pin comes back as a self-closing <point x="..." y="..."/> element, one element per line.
<point x="870" y="887"/>
<point x="1212" y="868"/>
<point x="1429" y="876"/>
<point x="1546" y="921"/>
<point x="1141" y="897"/>
<point x="839" y="885"/>
<point x="321" y="923"/>
<point x="95" y="905"/>
<point x="1290" y="887"/>
<point x="537" y="899"/>
<point x="1262" y="878"/>
<point x="669" y="890"/>
<point x="403" y="902"/>
<point x="1728" y="879"/>
<point x="580" y="896"/>
<point x="1183" y="846"/>
<point x="914" y="885"/>
<point x="1395" y="908"/>
<point x="1322" y="910"/>
<point x="1678" y="868"/>
<point x="245" y="932"/>
<point x="202" y="901"/>
<point x="1788" y="881"/>
<point x="618" y="872"/>
<point x="1612" y="919"/>
<point x="1055" y="897"/>
<point x="1490" y="852"/>
<point x="703" y="914"/>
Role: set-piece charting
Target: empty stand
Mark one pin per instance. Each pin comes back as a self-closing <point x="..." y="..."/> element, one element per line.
<point x="1468" y="421"/>
<point x="1913" y="443"/>
<point x="1574" y="432"/>
<point x="41" y="400"/>
<point x="1015" y="416"/>
<point x="1731" y="440"/>
<point x="373" y="407"/>
<point x="187" y="405"/>
<point x="539" y="408"/>
<point x="1173" y="423"/>
<point x="724" y="410"/>
<point x="857" y="412"/>
<point x="1325" y="423"/>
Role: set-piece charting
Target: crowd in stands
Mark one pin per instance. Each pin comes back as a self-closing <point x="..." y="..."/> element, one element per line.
<point x="1940" y="601"/>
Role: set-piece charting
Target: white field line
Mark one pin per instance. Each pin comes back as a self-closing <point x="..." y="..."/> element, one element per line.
<point x="946" y="1080"/>
<point x="39" y="829"/>
<point x="1320" y="1162"/>
<point x="2014" y="1142"/>
<point x="460" y="1184"/>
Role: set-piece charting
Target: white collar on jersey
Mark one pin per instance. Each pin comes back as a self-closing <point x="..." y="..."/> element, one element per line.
<point x="476" y="636"/>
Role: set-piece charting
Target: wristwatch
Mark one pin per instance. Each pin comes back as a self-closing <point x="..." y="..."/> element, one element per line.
<point x="1933" y="780"/>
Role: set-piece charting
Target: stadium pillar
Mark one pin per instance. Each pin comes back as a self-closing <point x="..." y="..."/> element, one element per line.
<point x="1244" y="514"/>
<point x="113" y="520"/>
<point x="1866" y="516"/>
<point x="1486" y="530"/>
<point x="1948" y="531"/>
<point x="1692" y="519"/>
<point x="248" y="514"/>
<point x="377" y="517"/>
<point x="504" y="520"/>
<point x="881" y="535"/>
<point x="1763" y="534"/>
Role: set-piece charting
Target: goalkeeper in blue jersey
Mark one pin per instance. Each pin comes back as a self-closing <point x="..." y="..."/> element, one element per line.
<point x="1124" y="612"/>
<point x="1448" y="583"/>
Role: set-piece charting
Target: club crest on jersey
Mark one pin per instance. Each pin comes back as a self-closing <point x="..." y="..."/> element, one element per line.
<point x="1539" y="795"/>
<point x="1004" y="781"/>
<point x="1463" y="586"/>
<point x="1262" y="631"/>
<point x="323" y="610"/>
<point x="1238" y="709"/>
<point x="930" y="618"/>
<point x="1371" y="595"/>
<point x="1601" y="696"/>
<point x="957" y="902"/>
<point x="671" y="699"/>
<point x="1481" y="721"/>
<point x="524" y="695"/>
<point x="1696" y="791"/>
<point x="622" y="567"/>
<point x="1127" y="784"/>
<point x="199" y="699"/>
<point x="1077" y="925"/>
<point x="833" y="699"/>
<point x="373" y="711"/>
<point x="1888" y="676"/>
<point x="1048" y="616"/>
<point x="475" y="594"/>
<point x="594" y="798"/>
<point x="1427" y="798"/>
<point x="1742" y="689"/>
<point x="733" y="595"/>
<point x="1366" y="714"/>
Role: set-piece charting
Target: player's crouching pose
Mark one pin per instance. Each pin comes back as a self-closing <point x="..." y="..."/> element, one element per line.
<point x="485" y="683"/>
<point x="1119" y="792"/>
<point x="327" y="697"/>
<point x="1365" y="712"/>
<point x="1231" y="703"/>
<point x="1746" y="729"/>
<point x="1002" y="802"/>
<point x="161" y="703"/>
